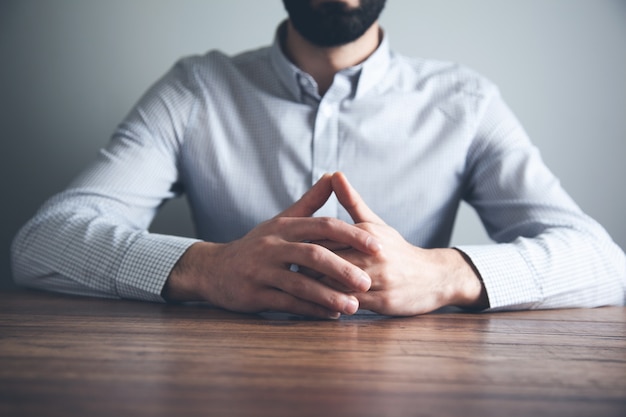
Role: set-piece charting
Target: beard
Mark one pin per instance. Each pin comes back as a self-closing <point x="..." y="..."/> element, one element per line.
<point x="332" y="23"/>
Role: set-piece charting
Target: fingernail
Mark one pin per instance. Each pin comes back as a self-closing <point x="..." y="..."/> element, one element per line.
<point x="373" y="245"/>
<point x="364" y="282"/>
<point x="352" y="305"/>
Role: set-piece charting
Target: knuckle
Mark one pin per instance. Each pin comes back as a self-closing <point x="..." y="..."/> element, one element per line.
<point x="248" y="300"/>
<point x="278" y="222"/>
<point x="369" y="228"/>
<point x="333" y="301"/>
<point x="385" y="304"/>
<point x="327" y="224"/>
<point x="298" y="286"/>
<point x="384" y="281"/>
<point x="265" y="246"/>
<point x="314" y="253"/>
<point x="348" y="273"/>
<point x="264" y="241"/>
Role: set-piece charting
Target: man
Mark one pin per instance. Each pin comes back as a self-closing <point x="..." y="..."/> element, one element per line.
<point x="244" y="137"/>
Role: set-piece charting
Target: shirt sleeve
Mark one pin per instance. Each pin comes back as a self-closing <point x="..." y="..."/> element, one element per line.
<point x="549" y="254"/>
<point x="93" y="239"/>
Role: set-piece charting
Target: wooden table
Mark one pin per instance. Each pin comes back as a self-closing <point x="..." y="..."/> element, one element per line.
<point x="70" y="356"/>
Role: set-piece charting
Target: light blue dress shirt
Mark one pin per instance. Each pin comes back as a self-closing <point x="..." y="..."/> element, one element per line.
<point x="243" y="137"/>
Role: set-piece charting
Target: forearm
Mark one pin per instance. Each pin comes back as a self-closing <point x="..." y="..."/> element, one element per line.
<point x="548" y="254"/>
<point x="470" y="289"/>
<point x="83" y="252"/>
<point x="448" y="277"/>
<point x="187" y="281"/>
<point x="557" y="269"/>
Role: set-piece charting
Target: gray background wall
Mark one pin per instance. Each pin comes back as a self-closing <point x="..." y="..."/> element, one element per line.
<point x="71" y="69"/>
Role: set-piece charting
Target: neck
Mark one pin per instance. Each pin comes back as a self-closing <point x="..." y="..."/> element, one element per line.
<point x="323" y="63"/>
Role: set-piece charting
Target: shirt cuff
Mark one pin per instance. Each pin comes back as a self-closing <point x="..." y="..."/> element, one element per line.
<point x="509" y="280"/>
<point x="147" y="265"/>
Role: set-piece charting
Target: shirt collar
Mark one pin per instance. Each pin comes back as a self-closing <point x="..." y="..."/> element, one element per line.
<point x="366" y="75"/>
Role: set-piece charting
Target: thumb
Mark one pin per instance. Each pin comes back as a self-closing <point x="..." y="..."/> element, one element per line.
<point x="312" y="200"/>
<point x="352" y="201"/>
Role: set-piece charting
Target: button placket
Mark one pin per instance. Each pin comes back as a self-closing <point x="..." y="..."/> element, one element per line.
<point x="326" y="137"/>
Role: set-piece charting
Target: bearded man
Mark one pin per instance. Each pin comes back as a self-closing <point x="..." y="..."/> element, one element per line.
<point x="263" y="144"/>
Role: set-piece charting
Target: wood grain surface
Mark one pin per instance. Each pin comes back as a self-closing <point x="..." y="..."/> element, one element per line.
<point x="71" y="356"/>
